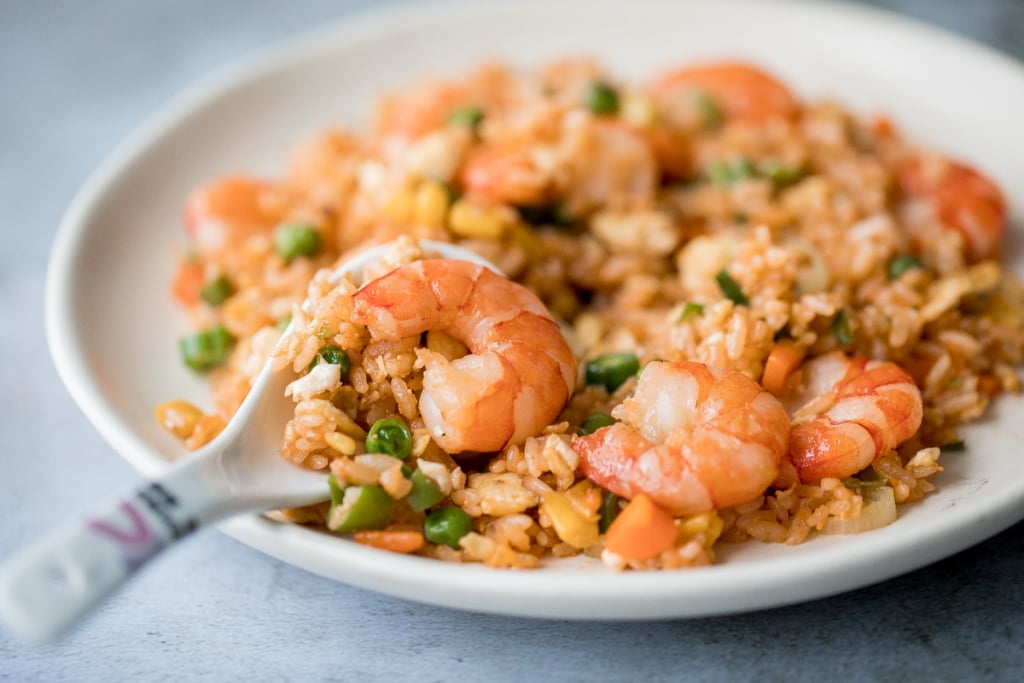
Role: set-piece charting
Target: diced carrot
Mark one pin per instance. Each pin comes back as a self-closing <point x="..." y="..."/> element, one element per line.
<point x="641" y="531"/>
<point x="187" y="283"/>
<point x="395" y="540"/>
<point x="783" y="359"/>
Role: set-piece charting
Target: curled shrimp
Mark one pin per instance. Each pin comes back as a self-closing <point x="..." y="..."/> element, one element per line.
<point x="692" y="438"/>
<point x="738" y="90"/>
<point x="419" y="110"/>
<point x="505" y="176"/>
<point x="603" y="160"/>
<point x="219" y="215"/>
<point x="848" y="411"/>
<point x="519" y="372"/>
<point x="960" y="198"/>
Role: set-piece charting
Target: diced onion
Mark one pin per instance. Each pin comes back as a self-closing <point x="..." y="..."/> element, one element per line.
<point x="879" y="510"/>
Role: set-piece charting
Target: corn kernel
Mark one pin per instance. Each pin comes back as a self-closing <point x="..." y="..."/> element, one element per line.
<point x="431" y="204"/>
<point x="343" y="443"/>
<point x="399" y="206"/>
<point x="569" y="524"/>
<point x="707" y="523"/>
<point x="586" y="499"/>
<point x="469" y="220"/>
<point x="638" y="110"/>
<point x="179" y="417"/>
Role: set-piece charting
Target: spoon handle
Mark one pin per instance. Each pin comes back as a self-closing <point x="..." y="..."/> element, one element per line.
<point x="47" y="588"/>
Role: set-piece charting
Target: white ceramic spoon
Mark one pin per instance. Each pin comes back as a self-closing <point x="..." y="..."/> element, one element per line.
<point x="49" y="586"/>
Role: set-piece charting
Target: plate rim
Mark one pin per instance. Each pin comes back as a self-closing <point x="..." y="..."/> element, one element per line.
<point x="275" y="539"/>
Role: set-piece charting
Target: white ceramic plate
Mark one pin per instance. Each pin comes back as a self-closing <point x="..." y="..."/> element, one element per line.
<point x="113" y="329"/>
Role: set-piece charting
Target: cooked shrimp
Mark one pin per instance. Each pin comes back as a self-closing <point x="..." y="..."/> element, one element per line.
<point x="608" y="162"/>
<point x="419" y="110"/>
<point x="959" y="197"/>
<point x="505" y="176"/>
<point x="738" y="90"/>
<point x="848" y="411"/>
<point x="693" y="438"/>
<point x="519" y="372"/>
<point x="220" y="214"/>
<point x="604" y="161"/>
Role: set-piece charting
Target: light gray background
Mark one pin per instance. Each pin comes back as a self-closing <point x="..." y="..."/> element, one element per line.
<point x="75" y="78"/>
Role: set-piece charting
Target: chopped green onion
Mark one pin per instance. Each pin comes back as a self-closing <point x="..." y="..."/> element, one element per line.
<point x="369" y="507"/>
<point x="425" y="492"/>
<point x="782" y="175"/>
<point x="730" y="288"/>
<point x="216" y="291"/>
<point x="602" y="99"/>
<point x="879" y="509"/>
<point x="594" y="422"/>
<point x="902" y="264"/>
<point x="469" y="116"/>
<point x="612" y="369"/>
<point x="208" y="349"/>
<point x="840" y="328"/>
<point x="292" y="240"/>
<point x="690" y="311"/>
<point x="337" y="492"/>
<point x="335" y="355"/>
<point x="609" y="511"/>
<point x="284" y="322"/>
<point x="447" y="526"/>
<point x="710" y="113"/>
<point x="726" y="174"/>
<point x="390" y="436"/>
<point x="953" y="447"/>
<point x="855" y="483"/>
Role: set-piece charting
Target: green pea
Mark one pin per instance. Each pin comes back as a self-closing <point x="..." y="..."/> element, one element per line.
<point x="371" y="509"/>
<point x="731" y="289"/>
<point x="612" y="369"/>
<point x="469" y="116"/>
<point x="292" y="240"/>
<point x="424" y="494"/>
<point x="207" y="349"/>
<point x="609" y="511"/>
<point x="335" y="355"/>
<point x="594" y="422"/>
<point x="216" y="291"/>
<point x="902" y="264"/>
<point x="390" y="436"/>
<point x="602" y="99"/>
<point x="447" y="526"/>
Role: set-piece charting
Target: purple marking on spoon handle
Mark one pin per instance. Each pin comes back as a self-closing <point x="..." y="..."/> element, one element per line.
<point x="125" y="525"/>
<point x="46" y="589"/>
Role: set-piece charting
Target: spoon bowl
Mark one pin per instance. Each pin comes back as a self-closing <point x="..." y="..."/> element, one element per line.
<point x="49" y="586"/>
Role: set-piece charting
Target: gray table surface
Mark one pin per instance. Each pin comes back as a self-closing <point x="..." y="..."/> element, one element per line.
<point x="75" y="78"/>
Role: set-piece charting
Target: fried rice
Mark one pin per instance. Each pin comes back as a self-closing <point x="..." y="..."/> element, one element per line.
<point x="621" y="206"/>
